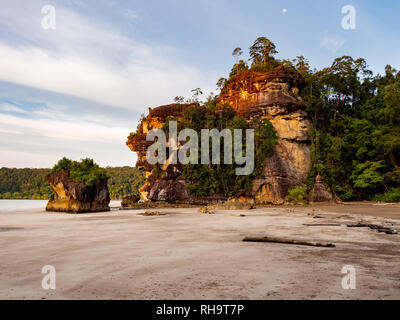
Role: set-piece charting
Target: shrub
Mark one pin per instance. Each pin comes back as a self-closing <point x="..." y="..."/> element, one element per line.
<point x="298" y="194"/>
<point x="393" y="195"/>
<point x="63" y="165"/>
<point x="85" y="171"/>
<point x="345" y="193"/>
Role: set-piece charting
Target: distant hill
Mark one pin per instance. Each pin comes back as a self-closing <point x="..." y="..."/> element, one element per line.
<point x="30" y="183"/>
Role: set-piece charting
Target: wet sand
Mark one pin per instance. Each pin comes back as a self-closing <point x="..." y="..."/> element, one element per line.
<point x="188" y="255"/>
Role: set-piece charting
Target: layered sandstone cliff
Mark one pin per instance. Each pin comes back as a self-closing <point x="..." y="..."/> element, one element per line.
<point x="273" y="96"/>
<point x="74" y="197"/>
<point x="170" y="186"/>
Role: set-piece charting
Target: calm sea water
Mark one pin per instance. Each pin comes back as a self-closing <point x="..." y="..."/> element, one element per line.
<point x="18" y="205"/>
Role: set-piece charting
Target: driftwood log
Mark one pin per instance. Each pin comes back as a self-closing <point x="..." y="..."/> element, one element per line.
<point x="373" y="227"/>
<point x="322" y="224"/>
<point x="289" y="241"/>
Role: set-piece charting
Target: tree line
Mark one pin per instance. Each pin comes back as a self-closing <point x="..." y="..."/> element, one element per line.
<point x="30" y="183"/>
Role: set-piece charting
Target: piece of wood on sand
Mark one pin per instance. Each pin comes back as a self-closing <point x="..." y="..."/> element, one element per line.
<point x="322" y="224"/>
<point x="289" y="241"/>
<point x="374" y="227"/>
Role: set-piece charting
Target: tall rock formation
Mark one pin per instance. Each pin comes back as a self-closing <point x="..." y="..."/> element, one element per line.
<point x="274" y="96"/>
<point x="252" y="95"/>
<point x="170" y="187"/>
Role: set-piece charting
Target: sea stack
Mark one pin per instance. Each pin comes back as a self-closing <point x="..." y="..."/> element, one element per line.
<point x="77" y="197"/>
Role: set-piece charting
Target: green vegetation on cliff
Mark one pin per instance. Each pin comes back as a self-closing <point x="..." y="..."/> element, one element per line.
<point x="207" y="180"/>
<point x="355" y="123"/>
<point x="30" y="183"/>
<point x="85" y="171"/>
<point x="356" y="129"/>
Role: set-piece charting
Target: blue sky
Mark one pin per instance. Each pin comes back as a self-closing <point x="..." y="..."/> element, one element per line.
<point x="79" y="90"/>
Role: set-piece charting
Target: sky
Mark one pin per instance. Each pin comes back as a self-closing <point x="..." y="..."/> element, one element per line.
<point x="78" y="89"/>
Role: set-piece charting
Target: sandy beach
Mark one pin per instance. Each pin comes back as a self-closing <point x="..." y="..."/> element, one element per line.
<point x="188" y="255"/>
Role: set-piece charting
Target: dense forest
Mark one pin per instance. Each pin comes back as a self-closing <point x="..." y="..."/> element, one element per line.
<point x="356" y="128"/>
<point x="30" y="183"/>
<point x="355" y="132"/>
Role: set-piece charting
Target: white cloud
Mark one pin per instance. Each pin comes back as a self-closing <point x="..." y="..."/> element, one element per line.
<point x="11" y="108"/>
<point x="44" y="138"/>
<point x="64" y="130"/>
<point x="7" y="131"/>
<point x="333" y="43"/>
<point x="88" y="59"/>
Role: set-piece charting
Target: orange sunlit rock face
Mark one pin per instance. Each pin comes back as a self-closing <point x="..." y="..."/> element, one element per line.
<point x="172" y="189"/>
<point x="251" y="93"/>
<point x="275" y="96"/>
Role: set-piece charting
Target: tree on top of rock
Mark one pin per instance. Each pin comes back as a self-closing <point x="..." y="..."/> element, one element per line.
<point x="86" y="171"/>
<point x="302" y="66"/>
<point x="237" y="53"/>
<point x="196" y="93"/>
<point x="262" y="54"/>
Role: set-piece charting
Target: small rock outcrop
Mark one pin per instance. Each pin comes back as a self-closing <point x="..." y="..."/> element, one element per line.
<point x="130" y="201"/>
<point x="75" y="197"/>
<point x="320" y="192"/>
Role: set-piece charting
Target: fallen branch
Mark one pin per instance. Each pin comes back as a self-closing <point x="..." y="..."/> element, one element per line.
<point x="290" y="241"/>
<point x="373" y="227"/>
